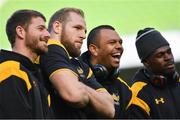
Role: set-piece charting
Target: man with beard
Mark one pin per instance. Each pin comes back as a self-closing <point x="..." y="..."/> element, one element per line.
<point x="157" y="84"/>
<point x="68" y="79"/>
<point x="103" y="56"/>
<point x="21" y="93"/>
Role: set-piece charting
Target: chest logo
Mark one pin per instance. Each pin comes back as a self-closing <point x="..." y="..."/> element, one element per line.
<point x="115" y="97"/>
<point x="80" y="71"/>
<point x="159" y="101"/>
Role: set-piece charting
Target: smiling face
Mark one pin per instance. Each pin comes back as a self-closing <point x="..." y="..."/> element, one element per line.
<point x="161" y="61"/>
<point x="73" y="34"/>
<point x="110" y="48"/>
<point x="36" y="36"/>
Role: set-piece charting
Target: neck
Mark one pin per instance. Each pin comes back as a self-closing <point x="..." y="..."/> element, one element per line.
<point x="25" y="52"/>
<point x="93" y="61"/>
<point x="55" y="36"/>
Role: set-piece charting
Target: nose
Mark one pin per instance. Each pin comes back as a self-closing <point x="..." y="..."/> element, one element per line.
<point x="168" y="56"/>
<point x="83" y="35"/>
<point x="47" y="34"/>
<point x="119" y="46"/>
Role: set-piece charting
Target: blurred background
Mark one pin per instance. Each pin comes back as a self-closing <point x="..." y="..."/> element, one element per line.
<point x="126" y="16"/>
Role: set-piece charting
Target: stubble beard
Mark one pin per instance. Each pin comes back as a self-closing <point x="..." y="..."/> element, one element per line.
<point x="70" y="47"/>
<point x="35" y="47"/>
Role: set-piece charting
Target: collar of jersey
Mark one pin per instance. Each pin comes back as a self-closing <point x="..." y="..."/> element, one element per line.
<point x="57" y="42"/>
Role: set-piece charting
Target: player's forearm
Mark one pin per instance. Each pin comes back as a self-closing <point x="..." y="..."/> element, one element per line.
<point x="80" y="98"/>
<point x="77" y="97"/>
<point x="70" y="89"/>
<point x="102" y="103"/>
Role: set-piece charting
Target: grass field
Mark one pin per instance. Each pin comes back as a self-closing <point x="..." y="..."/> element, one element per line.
<point x="127" y="16"/>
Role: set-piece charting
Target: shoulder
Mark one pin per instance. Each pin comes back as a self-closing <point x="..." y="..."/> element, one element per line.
<point x="57" y="58"/>
<point x="122" y="82"/>
<point x="141" y="96"/>
<point x="141" y="85"/>
<point x="56" y="47"/>
<point x="82" y="68"/>
<point x="140" y="82"/>
<point x="55" y="52"/>
<point x="137" y="87"/>
<point x="85" y="57"/>
<point x="14" y="70"/>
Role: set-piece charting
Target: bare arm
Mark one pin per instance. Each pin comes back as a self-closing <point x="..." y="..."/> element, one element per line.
<point x="101" y="102"/>
<point x="69" y="87"/>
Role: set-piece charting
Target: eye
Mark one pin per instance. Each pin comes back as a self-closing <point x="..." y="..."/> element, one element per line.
<point x="41" y="28"/>
<point x="120" y="42"/>
<point x="112" y="41"/>
<point x="169" y="51"/>
<point x="78" y="27"/>
<point x="159" y="55"/>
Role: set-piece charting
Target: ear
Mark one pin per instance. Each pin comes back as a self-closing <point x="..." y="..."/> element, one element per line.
<point x="146" y="63"/>
<point x="93" y="49"/>
<point x="20" y="32"/>
<point x="57" y="27"/>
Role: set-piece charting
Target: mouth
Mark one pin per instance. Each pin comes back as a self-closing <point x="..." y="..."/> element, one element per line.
<point x="170" y="65"/>
<point x="44" y="40"/>
<point x="116" y="56"/>
<point x="79" y="44"/>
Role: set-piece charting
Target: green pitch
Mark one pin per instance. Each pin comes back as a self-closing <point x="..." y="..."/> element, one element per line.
<point x="127" y="16"/>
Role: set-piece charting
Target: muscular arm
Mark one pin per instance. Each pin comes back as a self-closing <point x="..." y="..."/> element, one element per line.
<point x="101" y="102"/>
<point x="57" y="67"/>
<point x="69" y="88"/>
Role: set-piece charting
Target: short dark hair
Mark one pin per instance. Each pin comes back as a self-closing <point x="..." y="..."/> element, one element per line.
<point x="62" y="15"/>
<point x="20" y="18"/>
<point x="94" y="34"/>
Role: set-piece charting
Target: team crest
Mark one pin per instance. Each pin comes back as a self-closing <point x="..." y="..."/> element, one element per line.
<point x="80" y="71"/>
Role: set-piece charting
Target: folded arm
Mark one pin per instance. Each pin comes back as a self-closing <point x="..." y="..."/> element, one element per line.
<point x="102" y="102"/>
<point x="69" y="87"/>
